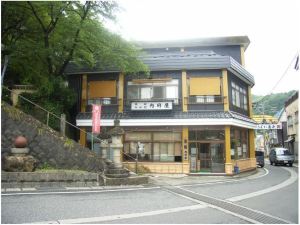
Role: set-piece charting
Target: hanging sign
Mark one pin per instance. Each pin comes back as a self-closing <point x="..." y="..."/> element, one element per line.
<point x="96" y="119"/>
<point x="138" y="106"/>
<point x="266" y="126"/>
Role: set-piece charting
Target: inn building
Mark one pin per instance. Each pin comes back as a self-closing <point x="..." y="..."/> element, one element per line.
<point x="192" y="114"/>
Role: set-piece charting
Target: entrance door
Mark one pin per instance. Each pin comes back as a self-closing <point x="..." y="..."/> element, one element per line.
<point x="217" y="158"/>
<point x="207" y="157"/>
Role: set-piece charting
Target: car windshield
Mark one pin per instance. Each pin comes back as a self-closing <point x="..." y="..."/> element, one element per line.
<point x="259" y="153"/>
<point x="283" y="152"/>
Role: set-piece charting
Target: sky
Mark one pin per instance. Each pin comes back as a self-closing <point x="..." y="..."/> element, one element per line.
<point x="273" y="27"/>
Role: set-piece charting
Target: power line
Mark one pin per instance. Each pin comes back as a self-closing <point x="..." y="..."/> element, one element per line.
<point x="285" y="72"/>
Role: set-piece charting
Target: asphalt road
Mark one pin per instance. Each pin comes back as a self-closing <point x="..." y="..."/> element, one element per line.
<point x="271" y="195"/>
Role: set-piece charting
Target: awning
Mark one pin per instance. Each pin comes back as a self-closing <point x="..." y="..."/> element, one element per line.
<point x="290" y="139"/>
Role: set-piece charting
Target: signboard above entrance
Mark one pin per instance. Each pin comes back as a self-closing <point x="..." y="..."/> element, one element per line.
<point x="148" y="106"/>
<point x="266" y="126"/>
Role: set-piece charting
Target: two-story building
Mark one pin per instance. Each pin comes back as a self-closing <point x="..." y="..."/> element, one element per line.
<point x="291" y="109"/>
<point x="192" y="114"/>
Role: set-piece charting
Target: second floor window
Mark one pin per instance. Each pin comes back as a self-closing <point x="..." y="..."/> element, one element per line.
<point x="204" y="90"/>
<point x="290" y="121"/>
<point x="153" y="91"/>
<point x="239" y="96"/>
<point x="102" y="92"/>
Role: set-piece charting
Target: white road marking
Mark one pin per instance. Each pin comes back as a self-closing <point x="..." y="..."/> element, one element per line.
<point x="77" y="192"/>
<point x="227" y="181"/>
<point x="238" y="215"/>
<point x="127" y="216"/>
<point x="28" y="189"/>
<point x="289" y="181"/>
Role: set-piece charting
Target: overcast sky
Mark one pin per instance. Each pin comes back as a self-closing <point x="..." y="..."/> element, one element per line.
<point x="273" y="28"/>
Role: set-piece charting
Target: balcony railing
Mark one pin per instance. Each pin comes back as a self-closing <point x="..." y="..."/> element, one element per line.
<point x="196" y="100"/>
<point x="102" y="101"/>
<point x="176" y="101"/>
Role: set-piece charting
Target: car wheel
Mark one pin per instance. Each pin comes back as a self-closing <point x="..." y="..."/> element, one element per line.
<point x="291" y="164"/>
<point x="271" y="162"/>
<point x="262" y="166"/>
<point x="276" y="164"/>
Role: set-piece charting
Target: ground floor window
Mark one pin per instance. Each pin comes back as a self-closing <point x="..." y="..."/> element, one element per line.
<point x="157" y="146"/>
<point x="239" y="143"/>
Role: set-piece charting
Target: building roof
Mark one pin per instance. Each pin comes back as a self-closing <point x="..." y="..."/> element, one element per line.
<point x="168" y="115"/>
<point x="178" y="61"/>
<point x="267" y="118"/>
<point x="208" y="41"/>
<point x="279" y="113"/>
<point x="291" y="99"/>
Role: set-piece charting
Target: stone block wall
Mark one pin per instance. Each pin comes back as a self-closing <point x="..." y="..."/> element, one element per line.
<point x="45" y="144"/>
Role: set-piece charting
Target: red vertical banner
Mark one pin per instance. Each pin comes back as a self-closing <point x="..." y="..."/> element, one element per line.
<point x="96" y="119"/>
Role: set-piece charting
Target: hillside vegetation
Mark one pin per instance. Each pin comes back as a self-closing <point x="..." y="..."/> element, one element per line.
<point x="271" y="103"/>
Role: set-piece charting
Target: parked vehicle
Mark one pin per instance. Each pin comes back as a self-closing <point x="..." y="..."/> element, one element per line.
<point x="281" y="156"/>
<point x="260" y="158"/>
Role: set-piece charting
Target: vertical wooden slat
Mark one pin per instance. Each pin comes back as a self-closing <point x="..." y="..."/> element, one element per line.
<point x="184" y="91"/>
<point x="225" y="89"/>
<point x="227" y="145"/>
<point x="252" y="143"/>
<point x="82" y="137"/>
<point x="83" y="93"/>
<point x="243" y="55"/>
<point x="185" y="145"/>
<point x="121" y="92"/>
<point x="250" y="102"/>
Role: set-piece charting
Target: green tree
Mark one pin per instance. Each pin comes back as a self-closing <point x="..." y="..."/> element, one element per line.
<point x="42" y="38"/>
<point x="271" y="103"/>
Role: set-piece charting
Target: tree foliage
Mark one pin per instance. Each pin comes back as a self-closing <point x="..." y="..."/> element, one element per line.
<point x="42" y="38"/>
<point x="270" y="104"/>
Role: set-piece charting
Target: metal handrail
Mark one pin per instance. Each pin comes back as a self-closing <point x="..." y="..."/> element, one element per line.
<point x="58" y="117"/>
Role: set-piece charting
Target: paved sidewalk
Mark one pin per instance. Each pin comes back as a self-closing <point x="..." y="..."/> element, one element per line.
<point x="182" y="179"/>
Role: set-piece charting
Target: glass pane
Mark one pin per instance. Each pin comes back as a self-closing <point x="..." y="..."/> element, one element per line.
<point x="237" y="96"/>
<point x="192" y="135"/>
<point x="210" y="135"/>
<point x="171" y="149"/>
<point x="146" y="93"/>
<point x="158" y="92"/>
<point x="167" y="136"/>
<point x="233" y="96"/>
<point x="138" y="136"/>
<point x="178" y="151"/>
<point x="133" y="92"/>
<point x="163" y="148"/>
<point x="172" y="82"/>
<point x="156" y="151"/>
<point x="126" y="147"/>
<point x="210" y="99"/>
<point x="200" y="99"/>
<point x="172" y="92"/>
<point x="133" y="146"/>
<point x="245" y="103"/>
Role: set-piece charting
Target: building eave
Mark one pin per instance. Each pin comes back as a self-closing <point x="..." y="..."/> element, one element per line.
<point x="169" y="122"/>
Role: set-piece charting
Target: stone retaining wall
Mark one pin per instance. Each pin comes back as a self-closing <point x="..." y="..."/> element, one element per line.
<point x="49" y="179"/>
<point x="45" y="144"/>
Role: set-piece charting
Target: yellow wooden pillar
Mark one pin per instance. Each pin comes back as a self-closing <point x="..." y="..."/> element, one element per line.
<point x="82" y="137"/>
<point x="185" y="145"/>
<point x="184" y="91"/>
<point x="243" y="55"/>
<point x="121" y="93"/>
<point x="228" y="163"/>
<point x="225" y="89"/>
<point x="252" y="143"/>
<point x="250" y="102"/>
